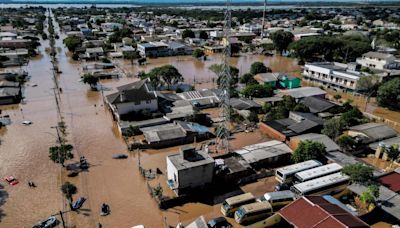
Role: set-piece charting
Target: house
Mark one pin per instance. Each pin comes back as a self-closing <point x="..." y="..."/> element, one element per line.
<point x="153" y="49"/>
<point x="209" y="50"/>
<point x="206" y="98"/>
<point x="265" y="155"/>
<point x="333" y="75"/>
<point x="177" y="48"/>
<point x="10" y="93"/>
<point x="391" y="180"/>
<point x="380" y="146"/>
<point x="200" y="222"/>
<point x="303" y="92"/>
<point x="296" y="124"/>
<point x="242" y="103"/>
<point x="371" y="132"/>
<point x="378" y="60"/>
<point x="14" y="43"/>
<point x="288" y="82"/>
<point x="317" y="105"/>
<point x="329" y="144"/>
<point x="133" y="97"/>
<point x="319" y="212"/>
<point x="389" y="201"/>
<point x="176" y="133"/>
<point x="110" y="27"/>
<point x="267" y="79"/>
<point x="189" y="170"/>
<point x="93" y="53"/>
<point x="250" y="28"/>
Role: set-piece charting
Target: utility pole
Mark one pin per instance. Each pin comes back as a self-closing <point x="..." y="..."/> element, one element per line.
<point x="62" y="220"/>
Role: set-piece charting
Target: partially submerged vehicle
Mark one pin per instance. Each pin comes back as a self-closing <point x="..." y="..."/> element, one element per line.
<point x="11" y="180"/>
<point x="48" y="223"/>
<point x="78" y="204"/>
<point x="120" y="156"/>
<point x="105" y="209"/>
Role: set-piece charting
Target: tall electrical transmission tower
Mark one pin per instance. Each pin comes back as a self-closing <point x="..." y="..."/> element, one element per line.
<point x="263" y="19"/>
<point x="223" y="131"/>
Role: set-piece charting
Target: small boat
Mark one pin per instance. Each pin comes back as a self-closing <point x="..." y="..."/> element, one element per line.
<point x="120" y="156"/>
<point x="78" y="204"/>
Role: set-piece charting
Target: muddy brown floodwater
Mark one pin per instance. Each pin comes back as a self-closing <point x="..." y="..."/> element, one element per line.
<point x="24" y="149"/>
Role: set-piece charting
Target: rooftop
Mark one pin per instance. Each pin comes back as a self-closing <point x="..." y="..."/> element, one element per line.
<point x="181" y="163"/>
<point x="375" y="131"/>
<point x="318" y="212"/>
<point x="261" y="151"/>
<point x="303" y="92"/>
<point x="329" y="143"/>
<point x="391" y="181"/>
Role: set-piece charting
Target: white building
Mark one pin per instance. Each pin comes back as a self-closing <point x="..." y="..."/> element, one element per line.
<point x="254" y="28"/>
<point x="333" y="75"/>
<point x="189" y="170"/>
<point x="378" y="60"/>
<point x="133" y="97"/>
<point x="109" y="27"/>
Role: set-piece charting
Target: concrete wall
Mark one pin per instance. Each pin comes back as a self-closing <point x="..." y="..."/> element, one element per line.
<point x="171" y="170"/>
<point x="196" y="176"/>
<point x="272" y="133"/>
<point x="125" y="108"/>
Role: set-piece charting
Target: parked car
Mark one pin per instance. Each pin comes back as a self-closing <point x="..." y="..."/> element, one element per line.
<point x="219" y="222"/>
<point x="78" y="204"/>
<point x="120" y="156"/>
<point x="11" y="180"/>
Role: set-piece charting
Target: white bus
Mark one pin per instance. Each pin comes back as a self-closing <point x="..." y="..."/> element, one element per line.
<point x="285" y="174"/>
<point x="327" y="185"/>
<point x="278" y="199"/>
<point x="317" y="172"/>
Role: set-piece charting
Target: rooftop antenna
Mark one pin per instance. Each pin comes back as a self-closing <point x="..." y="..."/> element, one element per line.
<point x="223" y="131"/>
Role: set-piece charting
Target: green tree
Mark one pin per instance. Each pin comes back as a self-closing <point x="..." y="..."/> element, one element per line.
<point x="218" y="70"/>
<point x="91" y="80"/>
<point x="257" y="90"/>
<point x="358" y="173"/>
<point x="388" y="94"/>
<point x="393" y="153"/>
<point x="308" y="150"/>
<point x="59" y="154"/>
<point x="282" y="109"/>
<point x="203" y="35"/>
<point x="253" y="117"/>
<point x="72" y="43"/>
<point x="69" y="189"/>
<point x="281" y="40"/>
<point x="346" y="142"/>
<point x="352" y="117"/>
<point x="258" y="68"/>
<point x="248" y="79"/>
<point x="131" y="56"/>
<point x="168" y="75"/>
<point x="333" y="128"/>
<point x="197" y="53"/>
<point x="187" y="33"/>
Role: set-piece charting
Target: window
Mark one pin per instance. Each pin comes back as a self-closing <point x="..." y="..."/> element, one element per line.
<point x="148" y="102"/>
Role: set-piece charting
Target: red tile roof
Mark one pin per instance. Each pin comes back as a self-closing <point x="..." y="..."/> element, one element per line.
<point x="392" y="181"/>
<point x="315" y="211"/>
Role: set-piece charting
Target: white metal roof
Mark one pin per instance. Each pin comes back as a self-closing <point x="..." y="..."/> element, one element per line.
<point x="290" y="169"/>
<point x="279" y="195"/>
<point x="320" y="182"/>
<point x="318" y="171"/>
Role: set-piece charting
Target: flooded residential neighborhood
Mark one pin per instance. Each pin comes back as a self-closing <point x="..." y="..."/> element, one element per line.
<point x="118" y="117"/>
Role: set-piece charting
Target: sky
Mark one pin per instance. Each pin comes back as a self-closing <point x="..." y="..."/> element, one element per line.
<point x="184" y="1"/>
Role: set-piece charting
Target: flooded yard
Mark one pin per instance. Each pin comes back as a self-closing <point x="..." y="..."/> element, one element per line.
<point x="92" y="132"/>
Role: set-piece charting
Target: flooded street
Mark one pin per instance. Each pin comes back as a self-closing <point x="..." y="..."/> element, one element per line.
<point x="24" y="149"/>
